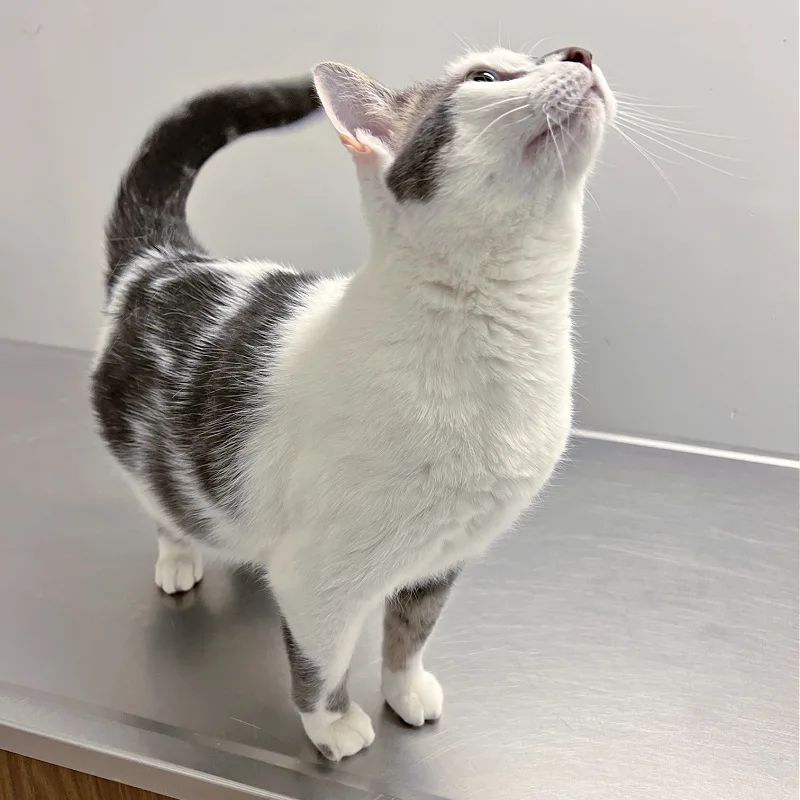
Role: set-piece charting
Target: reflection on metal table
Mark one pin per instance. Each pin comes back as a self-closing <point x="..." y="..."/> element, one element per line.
<point x="635" y="638"/>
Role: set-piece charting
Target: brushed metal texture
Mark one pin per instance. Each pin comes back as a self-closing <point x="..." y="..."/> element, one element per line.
<point x="634" y="639"/>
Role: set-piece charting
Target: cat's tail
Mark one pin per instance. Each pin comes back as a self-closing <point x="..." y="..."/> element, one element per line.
<point x="150" y="208"/>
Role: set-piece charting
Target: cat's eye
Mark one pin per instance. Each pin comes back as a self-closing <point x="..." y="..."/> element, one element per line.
<point x="482" y="76"/>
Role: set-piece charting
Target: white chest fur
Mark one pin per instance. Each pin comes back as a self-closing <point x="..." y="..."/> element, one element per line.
<point x="420" y="427"/>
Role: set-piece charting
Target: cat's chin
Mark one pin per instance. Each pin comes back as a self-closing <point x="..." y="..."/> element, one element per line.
<point x="555" y="145"/>
<point x="562" y="135"/>
<point x="563" y="155"/>
<point x="536" y="145"/>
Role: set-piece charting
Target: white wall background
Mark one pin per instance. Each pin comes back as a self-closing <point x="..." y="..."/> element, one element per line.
<point x="688" y="307"/>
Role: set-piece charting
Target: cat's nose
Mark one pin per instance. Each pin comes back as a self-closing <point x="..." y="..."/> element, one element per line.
<point x="579" y="56"/>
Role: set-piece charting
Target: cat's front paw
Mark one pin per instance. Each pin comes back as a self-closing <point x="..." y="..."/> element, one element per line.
<point x="415" y="696"/>
<point x="339" y="735"/>
<point x="178" y="569"/>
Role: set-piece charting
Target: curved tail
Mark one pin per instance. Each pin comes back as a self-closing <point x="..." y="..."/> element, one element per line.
<point x="150" y="209"/>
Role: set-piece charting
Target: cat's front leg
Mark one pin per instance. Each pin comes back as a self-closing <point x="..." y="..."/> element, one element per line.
<point x="320" y="629"/>
<point x="410" y="616"/>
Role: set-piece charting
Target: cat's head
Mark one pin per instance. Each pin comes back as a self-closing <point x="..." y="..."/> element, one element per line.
<point x="498" y="136"/>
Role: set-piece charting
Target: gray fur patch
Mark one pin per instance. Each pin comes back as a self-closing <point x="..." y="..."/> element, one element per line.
<point x="338" y="701"/>
<point x="410" y="617"/>
<point x="306" y="675"/>
<point x="175" y="390"/>
<point x="307" y="680"/>
<point x="325" y="750"/>
<point x="415" y="173"/>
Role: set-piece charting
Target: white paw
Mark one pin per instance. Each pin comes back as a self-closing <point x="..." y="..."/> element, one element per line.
<point x="415" y="696"/>
<point x="178" y="569"/>
<point x="339" y="735"/>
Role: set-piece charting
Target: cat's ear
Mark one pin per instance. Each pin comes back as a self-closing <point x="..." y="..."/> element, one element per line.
<point x="355" y="104"/>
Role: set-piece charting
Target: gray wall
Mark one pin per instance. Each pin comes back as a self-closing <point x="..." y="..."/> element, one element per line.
<point x="687" y="307"/>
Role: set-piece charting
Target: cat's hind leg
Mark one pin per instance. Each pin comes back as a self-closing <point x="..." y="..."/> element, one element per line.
<point x="180" y="563"/>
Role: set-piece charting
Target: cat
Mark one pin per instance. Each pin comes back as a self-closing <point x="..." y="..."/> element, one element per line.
<point x="359" y="438"/>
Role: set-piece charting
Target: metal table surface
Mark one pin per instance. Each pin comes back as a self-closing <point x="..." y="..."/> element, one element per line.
<point x="635" y="638"/>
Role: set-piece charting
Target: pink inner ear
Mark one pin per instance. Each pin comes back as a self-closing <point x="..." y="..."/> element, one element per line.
<point x="353" y="145"/>
<point x="347" y="111"/>
<point x="352" y="102"/>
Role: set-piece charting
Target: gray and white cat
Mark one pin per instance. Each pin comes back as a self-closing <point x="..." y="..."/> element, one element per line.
<point x="359" y="437"/>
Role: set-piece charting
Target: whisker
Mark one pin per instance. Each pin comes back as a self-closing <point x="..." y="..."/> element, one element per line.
<point x="497" y="119"/>
<point x="649" y="158"/>
<point x="566" y="132"/>
<point x="651" y="119"/>
<point x="656" y="122"/>
<point x="558" y="152"/>
<point x="658" y="156"/>
<point x="516" y="98"/>
<point x="575" y="107"/>
<point x="467" y="46"/>
<point x="577" y="144"/>
<point x="681" y="153"/>
<point x="635" y="108"/>
<point x="637" y="104"/>
<point x="647" y="114"/>
<point x="541" y="41"/>
<point x="563" y="129"/>
<point x="526" y="118"/>
<point x="632" y="100"/>
<point x="572" y="138"/>
<point x="597" y="205"/>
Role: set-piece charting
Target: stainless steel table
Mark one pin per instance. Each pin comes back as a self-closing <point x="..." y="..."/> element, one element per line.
<point x="635" y="638"/>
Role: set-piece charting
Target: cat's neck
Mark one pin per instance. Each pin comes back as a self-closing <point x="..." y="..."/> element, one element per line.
<point x="530" y="255"/>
